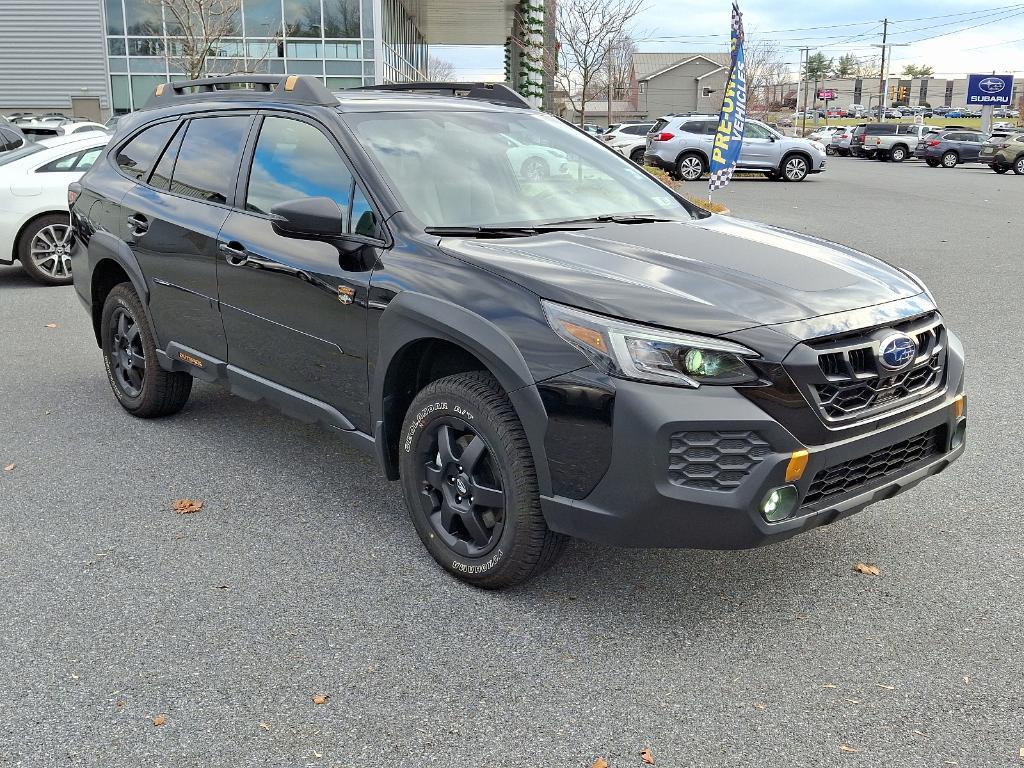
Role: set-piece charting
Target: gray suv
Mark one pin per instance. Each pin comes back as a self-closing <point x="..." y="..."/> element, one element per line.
<point x="682" y="146"/>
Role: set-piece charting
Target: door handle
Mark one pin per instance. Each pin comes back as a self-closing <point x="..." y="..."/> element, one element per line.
<point x="138" y="224"/>
<point x="234" y="253"/>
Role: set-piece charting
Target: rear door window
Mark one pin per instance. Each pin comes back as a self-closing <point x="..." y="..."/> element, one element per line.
<point x="207" y="164"/>
<point x="136" y="158"/>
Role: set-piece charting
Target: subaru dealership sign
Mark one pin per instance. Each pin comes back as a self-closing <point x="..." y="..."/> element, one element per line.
<point x="989" y="90"/>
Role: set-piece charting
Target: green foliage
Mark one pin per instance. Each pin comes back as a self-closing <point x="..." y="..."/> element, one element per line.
<point x="845" y="66"/>
<point x="817" y="66"/>
<point x="915" y="70"/>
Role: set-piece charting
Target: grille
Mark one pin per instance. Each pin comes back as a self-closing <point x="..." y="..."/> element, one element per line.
<point x="714" y="461"/>
<point x="852" y="385"/>
<point x="851" y="475"/>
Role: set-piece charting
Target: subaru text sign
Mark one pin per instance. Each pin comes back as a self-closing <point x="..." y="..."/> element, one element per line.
<point x="989" y="90"/>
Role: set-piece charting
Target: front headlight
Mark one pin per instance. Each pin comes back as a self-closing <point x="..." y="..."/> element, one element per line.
<point x="818" y="146"/>
<point x="639" y="352"/>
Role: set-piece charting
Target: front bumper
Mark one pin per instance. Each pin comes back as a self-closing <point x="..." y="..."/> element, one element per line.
<point x="640" y="502"/>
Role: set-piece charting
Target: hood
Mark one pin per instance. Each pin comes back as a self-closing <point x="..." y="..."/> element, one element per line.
<point x="714" y="275"/>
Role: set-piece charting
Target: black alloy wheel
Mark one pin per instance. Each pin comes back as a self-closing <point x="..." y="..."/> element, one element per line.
<point x="127" y="355"/>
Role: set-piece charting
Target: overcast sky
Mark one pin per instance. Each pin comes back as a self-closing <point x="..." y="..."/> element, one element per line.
<point x="953" y="36"/>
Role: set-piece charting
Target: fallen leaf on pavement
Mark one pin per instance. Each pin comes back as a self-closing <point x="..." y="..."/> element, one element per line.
<point x="854" y="701"/>
<point x="967" y="680"/>
<point x="599" y="763"/>
<point x="159" y="720"/>
<point x="320" y="698"/>
<point x="9" y="467"/>
<point x="759" y="705"/>
<point x="886" y="687"/>
<point x="829" y="685"/>
<point x="264" y="726"/>
<point x="51" y="325"/>
<point x="646" y="756"/>
<point x="867" y="570"/>
<point x="186" y="506"/>
<point x="845" y="748"/>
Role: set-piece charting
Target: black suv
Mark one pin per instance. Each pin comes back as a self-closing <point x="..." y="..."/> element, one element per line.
<point x="535" y="356"/>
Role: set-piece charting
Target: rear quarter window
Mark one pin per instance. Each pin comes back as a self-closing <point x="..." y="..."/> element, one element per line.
<point x="136" y="158"/>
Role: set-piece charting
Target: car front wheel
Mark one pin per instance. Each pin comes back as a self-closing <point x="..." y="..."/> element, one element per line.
<point x="44" y="249"/>
<point x="470" y="483"/>
<point x="1018" y="167"/>
<point x="795" y="168"/>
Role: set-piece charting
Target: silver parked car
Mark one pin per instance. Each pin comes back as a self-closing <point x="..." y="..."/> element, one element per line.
<point x="682" y="146"/>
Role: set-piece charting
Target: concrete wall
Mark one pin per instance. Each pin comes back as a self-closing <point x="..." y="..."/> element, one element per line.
<point x="49" y="53"/>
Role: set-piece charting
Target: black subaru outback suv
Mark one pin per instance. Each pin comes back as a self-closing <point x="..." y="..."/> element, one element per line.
<point x="539" y="339"/>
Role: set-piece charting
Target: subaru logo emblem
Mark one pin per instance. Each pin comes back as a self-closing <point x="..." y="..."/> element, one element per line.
<point x="461" y="487"/>
<point x="992" y="84"/>
<point x="897" y="351"/>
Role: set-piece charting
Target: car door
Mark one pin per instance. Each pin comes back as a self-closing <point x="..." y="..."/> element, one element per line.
<point x="760" y="149"/>
<point x="294" y="310"/>
<point x="971" y="146"/>
<point x="172" y="218"/>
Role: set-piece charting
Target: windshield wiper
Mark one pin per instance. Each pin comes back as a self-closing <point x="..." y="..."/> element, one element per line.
<point x="497" y="231"/>
<point x="611" y="218"/>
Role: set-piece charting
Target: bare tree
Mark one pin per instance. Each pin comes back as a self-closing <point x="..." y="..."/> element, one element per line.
<point x="766" y="72"/>
<point x="868" y="67"/>
<point x="440" y="70"/>
<point x="620" y="66"/>
<point x="587" y="33"/>
<point x="197" y="29"/>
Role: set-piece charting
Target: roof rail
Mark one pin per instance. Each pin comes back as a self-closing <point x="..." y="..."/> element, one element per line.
<point x="496" y="93"/>
<point x="296" y="89"/>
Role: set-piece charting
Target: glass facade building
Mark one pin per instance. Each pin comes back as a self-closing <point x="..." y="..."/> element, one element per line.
<point x="346" y="43"/>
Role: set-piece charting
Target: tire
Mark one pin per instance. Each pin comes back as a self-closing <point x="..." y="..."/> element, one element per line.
<point x="794" y="168"/>
<point x="44" y="249"/>
<point x="534" y="169"/>
<point x="1018" y="166"/>
<point x="830" y="150"/>
<point x="869" y="155"/>
<point x="690" y="167"/>
<point x="950" y="159"/>
<point x="637" y="156"/>
<point x="500" y="542"/>
<point x="898" y="153"/>
<point x="1000" y="169"/>
<point x="772" y="175"/>
<point x="141" y="386"/>
<point x="844" y="152"/>
<point x="932" y="162"/>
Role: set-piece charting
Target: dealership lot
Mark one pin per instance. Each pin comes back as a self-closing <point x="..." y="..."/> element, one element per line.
<point x="302" y="575"/>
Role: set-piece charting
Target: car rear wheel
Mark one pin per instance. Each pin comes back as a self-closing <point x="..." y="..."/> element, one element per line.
<point x="898" y="154"/>
<point x="637" y="156"/>
<point x="1000" y="168"/>
<point x="470" y="483"/>
<point x="1018" y="167"/>
<point x="44" y="249"/>
<point x="143" y="388"/>
<point x="691" y="167"/>
<point x="830" y="150"/>
<point x="950" y="159"/>
<point x="795" y="168"/>
<point x="932" y="162"/>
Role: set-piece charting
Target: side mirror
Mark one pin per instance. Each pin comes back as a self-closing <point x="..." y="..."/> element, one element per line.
<point x="308" y="217"/>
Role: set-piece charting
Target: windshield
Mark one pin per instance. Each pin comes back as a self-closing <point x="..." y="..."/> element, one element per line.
<point x="22" y="151"/>
<point x="494" y="169"/>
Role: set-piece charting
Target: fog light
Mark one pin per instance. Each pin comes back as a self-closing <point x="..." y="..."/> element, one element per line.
<point x="959" y="436"/>
<point x="779" y="503"/>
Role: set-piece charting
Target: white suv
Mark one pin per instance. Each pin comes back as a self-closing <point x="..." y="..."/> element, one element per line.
<point x="682" y="146"/>
<point x="629" y="139"/>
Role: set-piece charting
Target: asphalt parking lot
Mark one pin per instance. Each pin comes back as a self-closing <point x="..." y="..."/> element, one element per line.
<point x="302" y="575"/>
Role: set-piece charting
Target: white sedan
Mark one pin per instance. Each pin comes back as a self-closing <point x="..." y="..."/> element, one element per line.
<point x="34" y="220"/>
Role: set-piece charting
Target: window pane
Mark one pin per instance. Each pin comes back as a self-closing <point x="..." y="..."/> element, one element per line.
<point x="65" y="164"/>
<point x="341" y="83"/>
<point x="364" y="221"/>
<point x="302" y="18"/>
<point x="303" y="50"/>
<point x="367" y="18"/>
<point x="88" y="159"/>
<point x="339" y="50"/>
<point x="137" y="156"/>
<point x="143" y="87"/>
<point x="305" y="67"/>
<point x="143" y="17"/>
<point x="145" y="46"/>
<point x="118" y="63"/>
<point x="146" y="65"/>
<point x="115" y="17"/>
<point x="295" y="160"/>
<point x="262" y="18"/>
<point x="208" y="159"/>
<point x="344" y="68"/>
<point x="115" y="46"/>
<point x="341" y="18"/>
<point x="120" y="100"/>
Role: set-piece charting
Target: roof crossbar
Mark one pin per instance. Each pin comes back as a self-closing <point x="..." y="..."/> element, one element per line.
<point x="296" y="89"/>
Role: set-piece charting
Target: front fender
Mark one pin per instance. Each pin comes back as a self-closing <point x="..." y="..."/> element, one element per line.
<point x="411" y="317"/>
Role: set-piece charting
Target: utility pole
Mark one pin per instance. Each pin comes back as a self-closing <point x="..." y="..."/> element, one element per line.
<point x="882" y="79"/>
<point x="609" y="89"/>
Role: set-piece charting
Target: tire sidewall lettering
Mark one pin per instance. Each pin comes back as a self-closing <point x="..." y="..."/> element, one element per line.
<point x="421" y="418"/>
